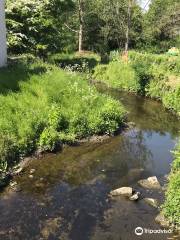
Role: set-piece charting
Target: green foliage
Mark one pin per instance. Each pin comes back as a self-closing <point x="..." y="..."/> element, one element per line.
<point x="160" y="25"/>
<point x="146" y="73"/>
<point x="52" y="26"/>
<point x="115" y="17"/>
<point x="172" y="203"/>
<point x="82" y="62"/>
<point x="114" y="55"/>
<point x="118" y="74"/>
<point x="49" y="139"/>
<point x="47" y="106"/>
<point x="37" y="28"/>
<point x="171" y="100"/>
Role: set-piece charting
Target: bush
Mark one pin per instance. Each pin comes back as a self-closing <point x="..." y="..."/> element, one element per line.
<point x="81" y="62"/>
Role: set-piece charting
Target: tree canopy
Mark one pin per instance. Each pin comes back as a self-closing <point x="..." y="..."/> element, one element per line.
<point x="97" y="25"/>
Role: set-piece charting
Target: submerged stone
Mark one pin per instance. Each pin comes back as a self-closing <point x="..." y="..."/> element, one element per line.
<point x="124" y="191"/>
<point x="135" y="197"/>
<point x="150" y="183"/>
<point x="152" y="202"/>
<point x="32" y="171"/>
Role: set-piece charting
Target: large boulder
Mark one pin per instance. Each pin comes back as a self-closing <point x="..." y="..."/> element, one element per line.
<point x="150" y="183"/>
<point x="124" y="191"/>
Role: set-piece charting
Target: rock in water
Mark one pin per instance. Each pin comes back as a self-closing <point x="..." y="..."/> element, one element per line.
<point x="124" y="191"/>
<point x="135" y="197"/>
<point x="13" y="184"/>
<point x="160" y="219"/>
<point x="32" y="171"/>
<point x="152" y="202"/>
<point x="150" y="183"/>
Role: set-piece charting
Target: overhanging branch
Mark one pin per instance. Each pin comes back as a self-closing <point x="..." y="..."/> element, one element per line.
<point x="73" y="30"/>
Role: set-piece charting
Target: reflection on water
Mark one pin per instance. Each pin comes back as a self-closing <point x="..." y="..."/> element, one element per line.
<point x="67" y="198"/>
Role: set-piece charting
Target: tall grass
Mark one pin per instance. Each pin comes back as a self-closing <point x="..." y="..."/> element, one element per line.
<point x="172" y="203"/>
<point x="118" y="74"/>
<point x="147" y="74"/>
<point x="47" y="107"/>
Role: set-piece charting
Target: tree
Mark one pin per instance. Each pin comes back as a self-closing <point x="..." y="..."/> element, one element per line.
<point x="81" y="24"/>
<point x="3" y="46"/>
<point x="128" y="25"/>
<point x="119" y="28"/>
<point x="37" y="28"/>
<point x="161" y="23"/>
<point x="79" y="15"/>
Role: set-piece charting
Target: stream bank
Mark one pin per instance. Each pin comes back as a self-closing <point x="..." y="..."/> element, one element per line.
<point x="67" y="195"/>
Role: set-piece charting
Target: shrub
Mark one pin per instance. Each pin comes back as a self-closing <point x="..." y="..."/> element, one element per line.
<point x="81" y="62"/>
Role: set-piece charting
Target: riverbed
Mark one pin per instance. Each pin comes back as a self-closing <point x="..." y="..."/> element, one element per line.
<point x="65" y="196"/>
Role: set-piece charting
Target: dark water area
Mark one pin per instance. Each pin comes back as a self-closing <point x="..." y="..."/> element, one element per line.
<point x="68" y="196"/>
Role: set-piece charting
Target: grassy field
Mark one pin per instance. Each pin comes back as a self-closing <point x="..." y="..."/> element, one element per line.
<point x="42" y="106"/>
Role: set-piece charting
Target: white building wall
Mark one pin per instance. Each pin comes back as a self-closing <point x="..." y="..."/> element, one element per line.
<point x="3" y="45"/>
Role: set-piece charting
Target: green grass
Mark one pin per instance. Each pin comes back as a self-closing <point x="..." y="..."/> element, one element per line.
<point x="155" y="76"/>
<point x="42" y="106"/>
<point x="118" y="75"/>
<point x="172" y="203"/>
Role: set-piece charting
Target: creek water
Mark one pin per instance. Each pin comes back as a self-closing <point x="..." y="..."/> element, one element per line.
<point x="68" y="196"/>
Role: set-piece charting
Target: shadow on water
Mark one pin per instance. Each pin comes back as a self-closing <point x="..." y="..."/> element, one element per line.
<point x="67" y="197"/>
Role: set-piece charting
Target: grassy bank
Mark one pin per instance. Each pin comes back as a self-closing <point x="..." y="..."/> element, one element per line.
<point x="42" y="106"/>
<point x="172" y="203"/>
<point x="155" y="76"/>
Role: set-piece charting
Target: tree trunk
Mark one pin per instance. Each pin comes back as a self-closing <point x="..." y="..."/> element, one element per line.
<point x="3" y="45"/>
<point x="128" y="27"/>
<point x="80" y="37"/>
<point x="81" y="22"/>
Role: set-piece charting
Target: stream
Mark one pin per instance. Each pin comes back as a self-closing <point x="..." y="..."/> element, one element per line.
<point x="67" y="195"/>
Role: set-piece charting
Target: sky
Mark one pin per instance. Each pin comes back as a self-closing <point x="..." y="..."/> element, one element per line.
<point x="143" y="3"/>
